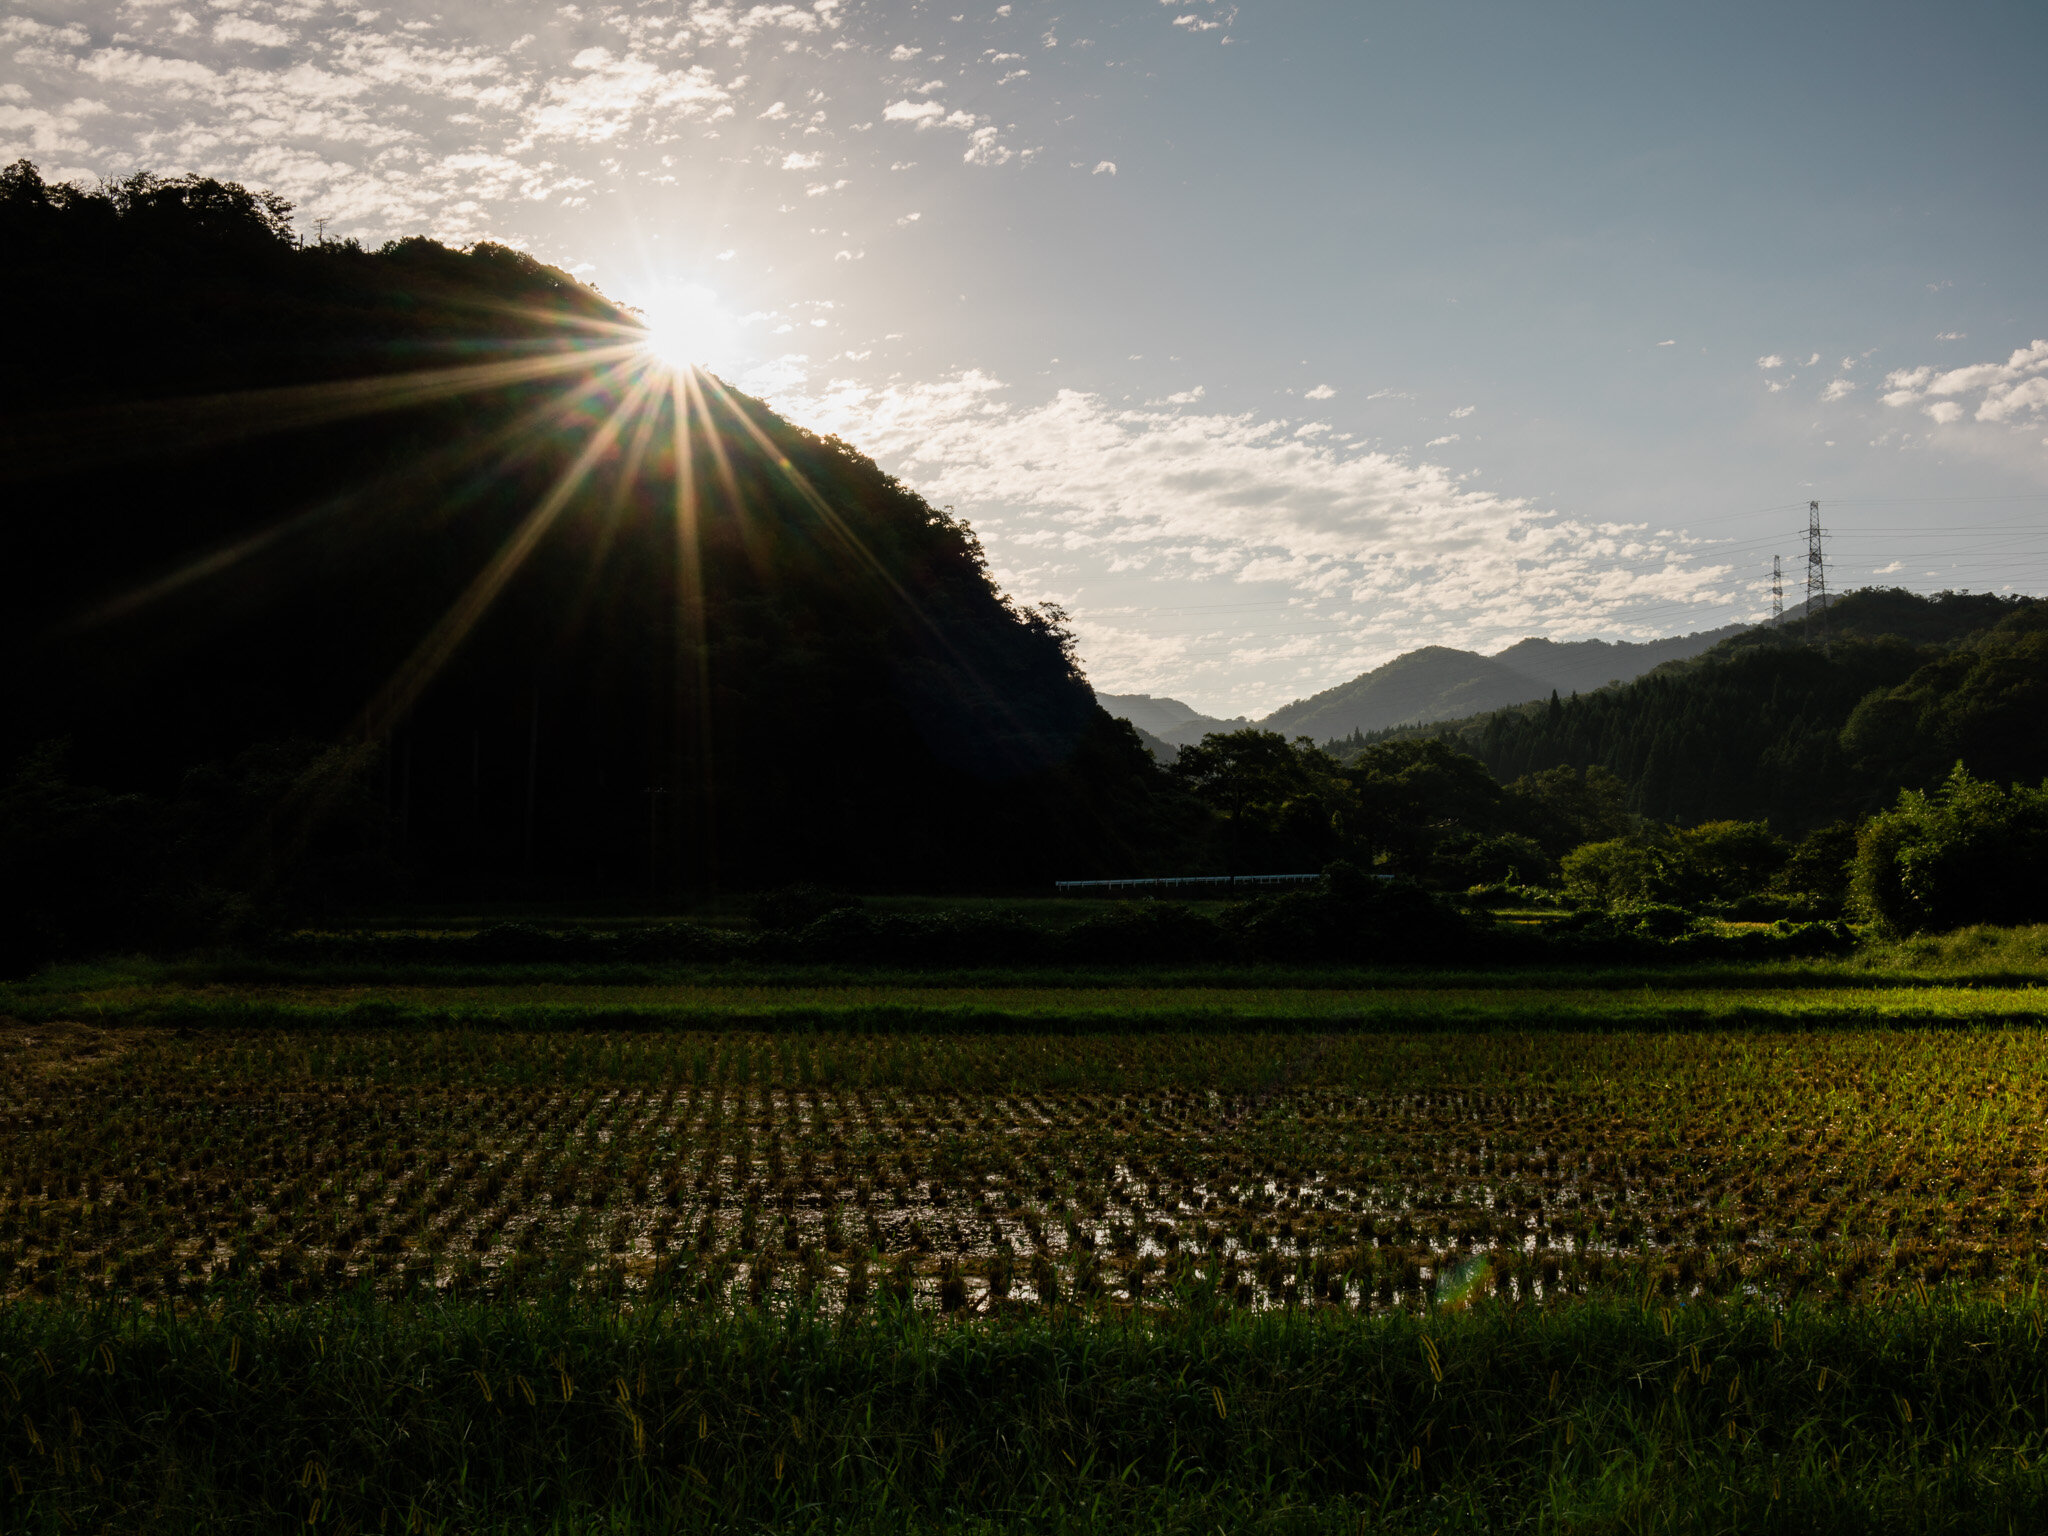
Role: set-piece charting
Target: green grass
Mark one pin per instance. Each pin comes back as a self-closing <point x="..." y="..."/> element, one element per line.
<point x="1977" y="972"/>
<point x="547" y="1001"/>
<point x="1595" y="1418"/>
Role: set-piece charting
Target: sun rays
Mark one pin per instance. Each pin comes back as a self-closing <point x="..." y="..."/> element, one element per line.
<point x="633" y="426"/>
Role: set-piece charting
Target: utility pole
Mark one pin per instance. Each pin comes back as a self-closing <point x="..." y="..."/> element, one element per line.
<point x="1816" y="575"/>
<point x="1777" y="593"/>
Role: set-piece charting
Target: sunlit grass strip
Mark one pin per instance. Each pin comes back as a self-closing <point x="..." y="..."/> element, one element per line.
<point x="554" y="1005"/>
<point x="1599" y="1417"/>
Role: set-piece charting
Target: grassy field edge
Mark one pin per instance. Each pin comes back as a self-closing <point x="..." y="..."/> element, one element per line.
<point x="359" y="1415"/>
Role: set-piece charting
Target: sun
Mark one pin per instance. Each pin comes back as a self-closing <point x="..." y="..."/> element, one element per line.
<point x="670" y="343"/>
<point x="687" y="327"/>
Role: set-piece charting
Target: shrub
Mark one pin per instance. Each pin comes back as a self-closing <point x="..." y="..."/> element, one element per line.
<point x="1655" y="920"/>
<point x="1145" y="931"/>
<point x="1622" y="869"/>
<point x="1970" y="852"/>
<point x="796" y="906"/>
<point x="1351" y="917"/>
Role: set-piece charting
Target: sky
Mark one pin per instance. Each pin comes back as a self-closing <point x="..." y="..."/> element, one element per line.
<point x="1269" y="340"/>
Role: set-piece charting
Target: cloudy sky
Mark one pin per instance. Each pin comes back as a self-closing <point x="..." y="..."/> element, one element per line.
<point x="1272" y="339"/>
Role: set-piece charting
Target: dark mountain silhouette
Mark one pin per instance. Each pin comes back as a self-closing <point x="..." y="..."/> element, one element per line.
<point x="431" y="526"/>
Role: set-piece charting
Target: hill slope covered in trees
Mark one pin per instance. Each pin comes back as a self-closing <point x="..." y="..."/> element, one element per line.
<point x="412" y="564"/>
<point x="1803" y="725"/>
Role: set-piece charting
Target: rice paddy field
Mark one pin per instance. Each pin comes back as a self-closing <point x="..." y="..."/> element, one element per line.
<point x="1366" y="1170"/>
<point x="1147" y="1251"/>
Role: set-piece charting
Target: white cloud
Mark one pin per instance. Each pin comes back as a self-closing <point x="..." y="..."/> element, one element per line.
<point x="1667" y="343"/>
<point x="1104" y="168"/>
<point x="615" y="93"/>
<point x="2017" y="387"/>
<point x="794" y="161"/>
<point x="983" y="148"/>
<point x="903" y="53"/>
<point x="48" y="132"/>
<point x="1772" y="361"/>
<point x="241" y="29"/>
<point x="1838" y="389"/>
<point x="910" y="218"/>
<point x="1462" y="412"/>
<point x="1438" y="442"/>
<point x="1320" y="392"/>
<point x="1234" y="497"/>
<point x="922" y="113"/>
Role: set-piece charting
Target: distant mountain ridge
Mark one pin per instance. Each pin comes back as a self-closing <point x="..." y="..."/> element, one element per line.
<point x="1439" y="683"/>
<point x="1434" y="683"/>
<point x="1168" y="720"/>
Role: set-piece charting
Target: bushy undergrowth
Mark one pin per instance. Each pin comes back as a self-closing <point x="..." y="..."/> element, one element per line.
<point x="360" y="1416"/>
<point x="1982" y="950"/>
<point x="1350" y="919"/>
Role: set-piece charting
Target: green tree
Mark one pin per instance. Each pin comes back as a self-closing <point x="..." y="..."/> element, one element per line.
<point x="1819" y="866"/>
<point x="1415" y="795"/>
<point x="1986" y="703"/>
<point x="1620" y="871"/>
<point x="1271" y="790"/>
<point x="1724" y="860"/>
<point x="1972" y="851"/>
<point x="1569" y="806"/>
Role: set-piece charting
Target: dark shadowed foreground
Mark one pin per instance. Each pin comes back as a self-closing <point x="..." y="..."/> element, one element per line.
<point x="362" y="1417"/>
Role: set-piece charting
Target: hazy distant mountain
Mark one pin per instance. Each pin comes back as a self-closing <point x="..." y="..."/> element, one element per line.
<point x="1438" y="683"/>
<point x="1163" y="752"/>
<point x="1167" y="719"/>
<point x="1434" y="683"/>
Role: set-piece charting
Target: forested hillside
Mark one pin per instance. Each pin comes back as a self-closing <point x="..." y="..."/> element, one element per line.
<point x="409" y="568"/>
<point x="1801" y="726"/>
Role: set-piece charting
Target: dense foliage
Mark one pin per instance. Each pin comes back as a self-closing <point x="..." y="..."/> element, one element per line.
<point x="1970" y="852"/>
<point x="1775" y="726"/>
